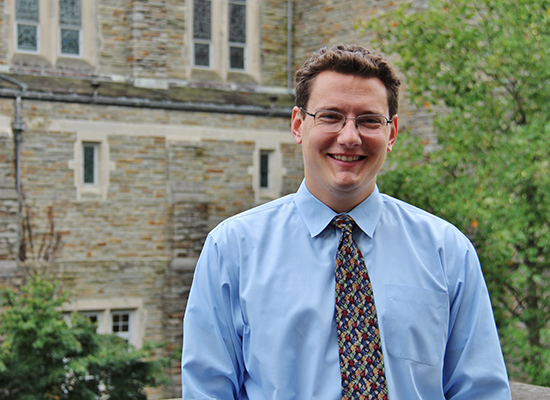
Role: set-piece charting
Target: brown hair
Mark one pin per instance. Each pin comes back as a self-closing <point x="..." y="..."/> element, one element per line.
<point x="347" y="59"/>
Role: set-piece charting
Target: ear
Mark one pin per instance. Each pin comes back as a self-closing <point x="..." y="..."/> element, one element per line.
<point x="393" y="133"/>
<point x="296" y="124"/>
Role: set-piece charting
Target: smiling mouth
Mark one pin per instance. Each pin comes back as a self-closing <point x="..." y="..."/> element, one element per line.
<point x="346" y="158"/>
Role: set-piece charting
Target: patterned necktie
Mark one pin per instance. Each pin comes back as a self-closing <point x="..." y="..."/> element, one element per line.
<point x="361" y="360"/>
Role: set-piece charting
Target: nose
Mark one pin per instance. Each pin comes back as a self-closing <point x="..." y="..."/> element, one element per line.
<point x="349" y="135"/>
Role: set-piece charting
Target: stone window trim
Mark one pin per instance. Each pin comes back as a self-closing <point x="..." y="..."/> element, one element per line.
<point x="49" y="33"/>
<point x="220" y="44"/>
<point x="105" y="309"/>
<point x="272" y="160"/>
<point x="103" y="167"/>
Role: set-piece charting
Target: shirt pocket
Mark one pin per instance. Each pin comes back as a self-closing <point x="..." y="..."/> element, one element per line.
<point x="416" y="322"/>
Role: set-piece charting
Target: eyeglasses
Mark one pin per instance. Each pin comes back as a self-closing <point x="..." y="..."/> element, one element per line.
<point x="333" y="121"/>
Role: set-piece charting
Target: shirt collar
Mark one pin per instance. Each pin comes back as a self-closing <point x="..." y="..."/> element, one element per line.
<point x="317" y="215"/>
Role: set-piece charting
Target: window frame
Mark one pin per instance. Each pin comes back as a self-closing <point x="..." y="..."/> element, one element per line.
<point x="104" y="166"/>
<point x="71" y="27"/>
<point x="27" y="22"/>
<point x="99" y="318"/>
<point x="49" y="28"/>
<point x="202" y="41"/>
<point x="232" y="44"/>
<point x="221" y="45"/>
<point x="105" y="308"/>
<point x="275" y="171"/>
<point x="126" y="335"/>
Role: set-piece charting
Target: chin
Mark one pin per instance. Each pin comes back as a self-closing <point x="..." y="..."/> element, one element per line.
<point x="353" y="186"/>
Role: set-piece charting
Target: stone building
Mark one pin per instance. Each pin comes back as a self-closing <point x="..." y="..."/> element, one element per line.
<point x="134" y="127"/>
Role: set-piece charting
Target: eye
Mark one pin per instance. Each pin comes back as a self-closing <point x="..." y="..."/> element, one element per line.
<point x="329" y="117"/>
<point x="371" y="121"/>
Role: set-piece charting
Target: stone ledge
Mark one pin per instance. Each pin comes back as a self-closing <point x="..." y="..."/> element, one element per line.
<point x="523" y="391"/>
<point x="184" y="263"/>
<point x="8" y="194"/>
<point x="8" y="268"/>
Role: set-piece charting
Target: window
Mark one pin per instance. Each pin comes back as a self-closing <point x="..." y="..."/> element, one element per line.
<point x="202" y="32"/>
<point x="91" y="165"/>
<point x="267" y="171"/>
<point x="27" y="15"/>
<point x="120" y="324"/>
<point x="90" y="153"/>
<point x="237" y="34"/>
<point x="95" y="318"/>
<point x="53" y="30"/>
<point x="70" y="25"/>
<point x="123" y="317"/>
<point x="264" y="168"/>
<point x="225" y="38"/>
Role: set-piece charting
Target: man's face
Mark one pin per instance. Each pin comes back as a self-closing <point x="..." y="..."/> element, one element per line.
<point x="341" y="168"/>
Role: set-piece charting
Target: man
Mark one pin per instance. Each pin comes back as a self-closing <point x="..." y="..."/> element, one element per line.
<point x="338" y="291"/>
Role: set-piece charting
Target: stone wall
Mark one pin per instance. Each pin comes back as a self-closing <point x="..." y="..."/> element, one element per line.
<point x="8" y="197"/>
<point x="274" y="42"/>
<point x="143" y="40"/>
<point x="113" y="37"/>
<point x="147" y="25"/>
<point x="174" y="176"/>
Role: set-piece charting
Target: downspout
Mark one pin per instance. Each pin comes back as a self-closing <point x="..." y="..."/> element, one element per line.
<point x="17" y="126"/>
<point x="289" y="46"/>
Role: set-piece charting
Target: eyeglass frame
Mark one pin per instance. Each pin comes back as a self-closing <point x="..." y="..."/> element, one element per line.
<point x="346" y="118"/>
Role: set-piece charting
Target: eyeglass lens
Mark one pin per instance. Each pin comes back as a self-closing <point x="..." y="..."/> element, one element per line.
<point x="332" y="121"/>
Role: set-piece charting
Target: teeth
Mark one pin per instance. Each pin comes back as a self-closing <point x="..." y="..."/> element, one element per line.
<point x="346" y="158"/>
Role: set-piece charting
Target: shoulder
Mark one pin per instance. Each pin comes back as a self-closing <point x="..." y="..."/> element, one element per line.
<point x="247" y="222"/>
<point x="421" y="223"/>
<point x="399" y="208"/>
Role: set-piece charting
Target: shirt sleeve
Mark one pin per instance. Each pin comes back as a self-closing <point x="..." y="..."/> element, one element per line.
<point x="474" y="366"/>
<point x="212" y="362"/>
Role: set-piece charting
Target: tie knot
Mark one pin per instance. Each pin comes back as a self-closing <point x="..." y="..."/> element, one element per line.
<point x="344" y="222"/>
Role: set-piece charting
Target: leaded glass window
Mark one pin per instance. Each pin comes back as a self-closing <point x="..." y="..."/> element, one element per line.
<point x="237" y="34"/>
<point x="27" y="10"/>
<point x="202" y="55"/>
<point x="27" y="17"/>
<point x="70" y="41"/>
<point x="89" y="167"/>
<point x="264" y="168"/>
<point x="70" y="23"/>
<point x="70" y="13"/>
<point x="236" y="57"/>
<point x="237" y="21"/>
<point x="202" y="32"/>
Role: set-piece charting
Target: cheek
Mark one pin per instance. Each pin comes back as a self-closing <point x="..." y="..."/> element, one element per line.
<point x="315" y="143"/>
<point x="377" y="145"/>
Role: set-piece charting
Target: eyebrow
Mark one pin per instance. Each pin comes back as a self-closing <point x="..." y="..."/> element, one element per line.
<point x="358" y="114"/>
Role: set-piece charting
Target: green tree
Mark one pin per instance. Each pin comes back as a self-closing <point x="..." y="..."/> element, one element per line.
<point x="44" y="356"/>
<point x="482" y="68"/>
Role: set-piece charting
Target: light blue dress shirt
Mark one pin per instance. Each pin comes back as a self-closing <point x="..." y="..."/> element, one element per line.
<point x="259" y="322"/>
